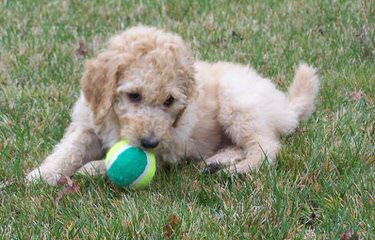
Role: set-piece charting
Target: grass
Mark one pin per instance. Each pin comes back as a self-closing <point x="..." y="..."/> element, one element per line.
<point x="322" y="185"/>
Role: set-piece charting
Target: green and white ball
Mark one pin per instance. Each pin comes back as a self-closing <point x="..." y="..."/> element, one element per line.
<point x="129" y="166"/>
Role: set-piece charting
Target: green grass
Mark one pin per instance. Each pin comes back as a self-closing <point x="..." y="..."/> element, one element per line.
<point x="321" y="186"/>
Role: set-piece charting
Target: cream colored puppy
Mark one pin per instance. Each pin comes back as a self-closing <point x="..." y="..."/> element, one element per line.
<point x="146" y="87"/>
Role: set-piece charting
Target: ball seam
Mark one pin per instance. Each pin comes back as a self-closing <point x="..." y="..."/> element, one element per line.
<point x="140" y="177"/>
<point x="115" y="156"/>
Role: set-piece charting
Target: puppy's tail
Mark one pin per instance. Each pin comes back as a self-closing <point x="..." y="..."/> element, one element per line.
<point x="303" y="91"/>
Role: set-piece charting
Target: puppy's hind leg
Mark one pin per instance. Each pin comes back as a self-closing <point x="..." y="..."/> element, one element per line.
<point x="257" y="147"/>
<point x="256" y="151"/>
<point x="224" y="158"/>
<point x="253" y="135"/>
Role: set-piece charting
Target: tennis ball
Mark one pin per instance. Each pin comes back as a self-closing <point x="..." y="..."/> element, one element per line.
<point x="129" y="166"/>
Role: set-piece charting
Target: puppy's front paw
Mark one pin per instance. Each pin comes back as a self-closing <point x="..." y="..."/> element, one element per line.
<point x="42" y="173"/>
<point x="94" y="168"/>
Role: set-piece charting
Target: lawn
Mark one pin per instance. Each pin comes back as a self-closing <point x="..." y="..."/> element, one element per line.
<point x="322" y="186"/>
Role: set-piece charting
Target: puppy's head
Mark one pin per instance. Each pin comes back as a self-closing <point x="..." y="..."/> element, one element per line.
<point x="146" y="78"/>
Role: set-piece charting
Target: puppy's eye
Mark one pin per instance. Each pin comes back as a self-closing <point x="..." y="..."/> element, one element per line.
<point x="134" y="97"/>
<point x="169" y="101"/>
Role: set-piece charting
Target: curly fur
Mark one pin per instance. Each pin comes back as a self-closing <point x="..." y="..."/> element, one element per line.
<point x="223" y="113"/>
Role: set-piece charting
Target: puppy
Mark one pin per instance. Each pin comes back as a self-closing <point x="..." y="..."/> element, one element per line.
<point x="146" y="87"/>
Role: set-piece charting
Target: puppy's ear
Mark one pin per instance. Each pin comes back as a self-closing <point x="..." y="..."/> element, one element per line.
<point x="99" y="82"/>
<point x="186" y="59"/>
<point x="190" y="83"/>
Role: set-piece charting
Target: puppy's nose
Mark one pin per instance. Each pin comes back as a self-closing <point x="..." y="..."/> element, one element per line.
<point x="149" y="142"/>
